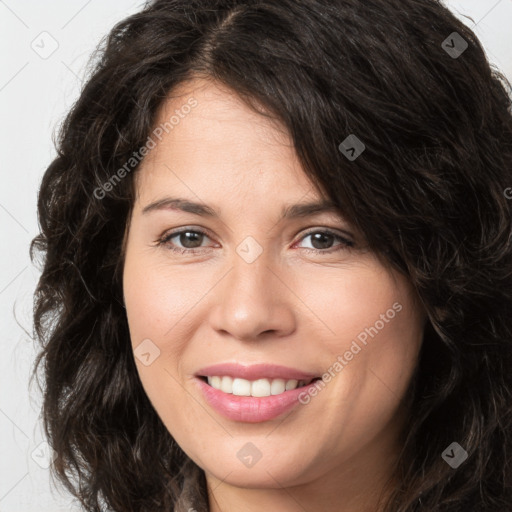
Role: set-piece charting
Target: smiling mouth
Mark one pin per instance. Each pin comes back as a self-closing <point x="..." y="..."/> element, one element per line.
<point x="256" y="388"/>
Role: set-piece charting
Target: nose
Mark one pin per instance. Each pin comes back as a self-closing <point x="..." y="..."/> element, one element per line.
<point x="253" y="302"/>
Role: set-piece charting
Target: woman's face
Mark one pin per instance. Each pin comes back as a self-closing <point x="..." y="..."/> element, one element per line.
<point x="270" y="299"/>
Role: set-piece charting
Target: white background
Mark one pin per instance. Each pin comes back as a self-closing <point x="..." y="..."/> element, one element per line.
<point x="35" y="93"/>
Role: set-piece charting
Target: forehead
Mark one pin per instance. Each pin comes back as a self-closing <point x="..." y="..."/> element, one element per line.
<point x="216" y="106"/>
<point x="206" y="135"/>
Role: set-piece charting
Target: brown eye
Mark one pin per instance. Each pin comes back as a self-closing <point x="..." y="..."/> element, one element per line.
<point x="322" y="241"/>
<point x="185" y="240"/>
<point x="189" y="239"/>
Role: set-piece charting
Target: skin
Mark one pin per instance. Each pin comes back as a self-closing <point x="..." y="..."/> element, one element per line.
<point x="290" y="307"/>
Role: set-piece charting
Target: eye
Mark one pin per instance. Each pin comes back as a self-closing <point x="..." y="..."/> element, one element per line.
<point x="190" y="241"/>
<point x="189" y="238"/>
<point x="322" y="240"/>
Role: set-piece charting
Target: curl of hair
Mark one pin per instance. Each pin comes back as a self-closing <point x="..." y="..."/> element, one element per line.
<point x="427" y="192"/>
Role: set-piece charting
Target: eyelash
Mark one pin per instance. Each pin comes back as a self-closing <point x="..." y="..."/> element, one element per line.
<point x="166" y="237"/>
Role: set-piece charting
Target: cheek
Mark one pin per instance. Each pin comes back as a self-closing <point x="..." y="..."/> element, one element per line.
<point x="157" y="301"/>
<point x="371" y="329"/>
<point x="350" y="302"/>
<point x="159" y="297"/>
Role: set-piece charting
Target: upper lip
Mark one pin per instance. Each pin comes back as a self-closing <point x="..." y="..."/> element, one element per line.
<point x="254" y="371"/>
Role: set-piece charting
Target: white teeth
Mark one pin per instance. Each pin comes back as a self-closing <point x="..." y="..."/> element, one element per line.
<point x="277" y="386"/>
<point x="260" y="387"/>
<point x="215" y="382"/>
<point x="226" y="384"/>
<point x="240" y="387"/>
<point x="291" y="384"/>
<point x="256" y="388"/>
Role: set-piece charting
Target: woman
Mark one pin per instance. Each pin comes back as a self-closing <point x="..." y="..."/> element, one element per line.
<point x="197" y="354"/>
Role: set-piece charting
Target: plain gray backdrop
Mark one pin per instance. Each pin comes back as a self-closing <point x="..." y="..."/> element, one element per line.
<point x="45" y="47"/>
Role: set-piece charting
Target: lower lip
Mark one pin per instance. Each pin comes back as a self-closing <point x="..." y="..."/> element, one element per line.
<point x="251" y="409"/>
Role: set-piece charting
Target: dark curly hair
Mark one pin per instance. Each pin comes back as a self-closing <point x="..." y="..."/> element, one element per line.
<point x="428" y="192"/>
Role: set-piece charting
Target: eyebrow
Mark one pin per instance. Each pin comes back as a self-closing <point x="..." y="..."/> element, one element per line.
<point x="288" y="212"/>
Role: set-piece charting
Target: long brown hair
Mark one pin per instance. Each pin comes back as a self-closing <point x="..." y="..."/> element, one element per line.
<point x="428" y="192"/>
